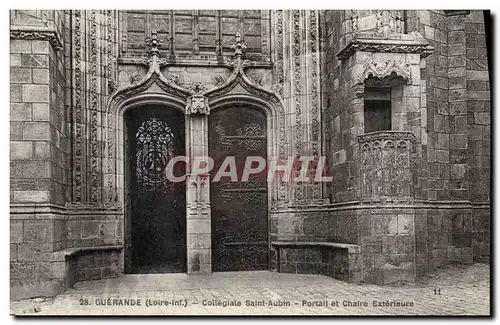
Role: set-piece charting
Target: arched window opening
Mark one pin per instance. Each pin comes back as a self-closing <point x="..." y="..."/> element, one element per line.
<point x="382" y="103"/>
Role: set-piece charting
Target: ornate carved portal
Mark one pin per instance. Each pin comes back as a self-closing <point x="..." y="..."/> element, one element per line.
<point x="238" y="209"/>
<point x="156" y="206"/>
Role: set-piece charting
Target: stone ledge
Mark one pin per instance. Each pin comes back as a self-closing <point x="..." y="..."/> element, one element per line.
<point x="386" y="135"/>
<point x="37" y="33"/>
<point x="54" y="211"/>
<point x="68" y="253"/>
<point x="81" y="250"/>
<point x="395" y="43"/>
<point x="351" y="248"/>
<point x="337" y="260"/>
<point x="206" y="61"/>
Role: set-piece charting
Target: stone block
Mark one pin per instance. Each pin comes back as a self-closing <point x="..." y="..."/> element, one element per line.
<point x="443" y="141"/>
<point x="16" y="231"/>
<point x="198" y="226"/>
<point x="461" y="239"/>
<point x="478" y="95"/>
<point x="305" y="268"/>
<point x="385" y="225"/>
<point x="35" y="93"/>
<point x="442" y="156"/>
<point x="456" y="49"/>
<point x="36" y="131"/>
<point x="107" y="229"/>
<point x="24" y="271"/>
<point x="13" y="252"/>
<point x="16" y="93"/>
<point x="199" y="241"/>
<point x="38" y="231"/>
<point x="20" y="46"/>
<point x="41" y="76"/>
<point x="51" y="270"/>
<point x="20" y="75"/>
<point x="457" y="83"/>
<point x="441" y="123"/>
<point x="90" y="229"/>
<point x="457" y="94"/>
<point x="405" y="224"/>
<point x="41" y="112"/>
<point x="478" y="85"/>
<point x="20" y="112"/>
<point x="35" y="60"/>
<point x="457" y="36"/>
<point x="198" y="257"/>
<point x="292" y="254"/>
<point x="74" y="229"/>
<point x="393" y="245"/>
<point x="42" y="150"/>
<point x="29" y="252"/>
<point x="458" y="171"/>
<point x="457" y="108"/>
<point x="15" y="60"/>
<point x="30" y="169"/>
<point x="477" y="75"/>
<point x="482" y="118"/>
<point x="339" y="157"/>
<point x="475" y="132"/>
<point x="21" y="150"/>
<point x="458" y="141"/>
<point x="40" y="47"/>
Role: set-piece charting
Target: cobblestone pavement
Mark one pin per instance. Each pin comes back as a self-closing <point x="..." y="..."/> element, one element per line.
<point x="452" y="290"/>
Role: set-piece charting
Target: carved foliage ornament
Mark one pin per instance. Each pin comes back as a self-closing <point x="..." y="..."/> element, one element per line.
<point x="197" y="104"/>
<point x="384" y="69"/>
<point x="386" y="135"/>
<point x="153" y="60"/>
<point x="423" y="49"/>
<point x="50" y="36"/>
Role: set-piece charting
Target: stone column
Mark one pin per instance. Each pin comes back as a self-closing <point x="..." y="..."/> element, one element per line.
<point x="199" y="234"/>
<point x="38" y="151"/>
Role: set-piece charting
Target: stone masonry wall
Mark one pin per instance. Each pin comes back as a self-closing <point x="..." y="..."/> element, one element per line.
<point x="39" y="148"/>
<point x="458" y="131"/>
<point x="67" y="179"/>
<point x="451" y="129"/>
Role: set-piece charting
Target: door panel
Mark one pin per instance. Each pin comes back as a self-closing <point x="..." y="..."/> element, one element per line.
<point x="157" y="207"/>
<point x="239" y="209"/>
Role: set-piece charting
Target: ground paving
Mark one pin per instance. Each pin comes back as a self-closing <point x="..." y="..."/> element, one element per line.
<point x="452" y="290"/>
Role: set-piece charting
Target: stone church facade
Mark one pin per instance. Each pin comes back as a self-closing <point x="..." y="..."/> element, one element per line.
<point x="100" y="100"/>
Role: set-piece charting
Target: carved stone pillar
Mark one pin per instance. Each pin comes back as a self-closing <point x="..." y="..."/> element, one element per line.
<point x="383" y="161"/>
<point x="300" y="91"/>
<point x="199" y="235"/>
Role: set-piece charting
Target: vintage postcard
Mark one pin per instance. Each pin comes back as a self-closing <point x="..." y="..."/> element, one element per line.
<point x="250" y="162"/>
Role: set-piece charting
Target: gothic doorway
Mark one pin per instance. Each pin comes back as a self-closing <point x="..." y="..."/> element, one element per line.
<point x="155" y="227"/>
<point x="238" y="209"/>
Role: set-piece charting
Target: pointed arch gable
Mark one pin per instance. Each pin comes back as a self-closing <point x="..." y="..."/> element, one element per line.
<point x="154" y="88"/>
<point x="238" y="89"/>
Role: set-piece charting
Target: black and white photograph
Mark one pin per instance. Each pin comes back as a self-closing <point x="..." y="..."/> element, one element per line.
<point x="249" y="162"/>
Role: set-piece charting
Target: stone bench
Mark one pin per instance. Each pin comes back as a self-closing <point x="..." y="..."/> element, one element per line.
<point x="90" y="263"/>
<point x="338" y="260"/>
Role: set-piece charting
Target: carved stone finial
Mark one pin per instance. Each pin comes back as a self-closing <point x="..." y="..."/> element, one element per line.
<point x="153" y="60"/>
<point x="197" y="104"/>
<point x="239" y="46"/>
<point x="154" y="43"/>
<point x="197" y="87"/>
